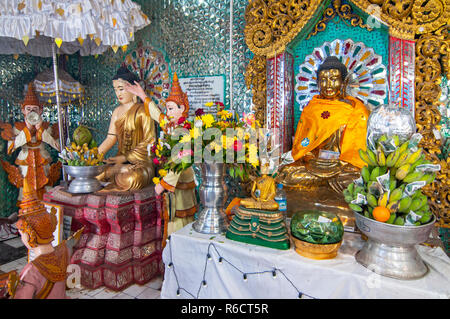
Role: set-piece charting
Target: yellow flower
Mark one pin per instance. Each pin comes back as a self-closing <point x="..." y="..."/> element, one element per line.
<point x="162" y="123"/>
<point x="157" y="152"/>
<point x="230" y="142"/>
<point x="195" y="132"/>
<point x="240" y="134"/>
<point x="252" y="149"/>
<point x="208" y="120"/>
<point x="253" y="154"/>
<point x="209" y="104"/>
<point x="162" y="172"/>
<point x="224" y="114"/>
<point x="185" y="139"/>
<point x="216" y="147"/>
<point x="254" y="163"/>
<point x="156" y="180"/>
<point x="224" y="141"/>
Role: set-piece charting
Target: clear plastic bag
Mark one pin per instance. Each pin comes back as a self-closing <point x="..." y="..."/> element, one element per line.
<point x="391" y="121"/>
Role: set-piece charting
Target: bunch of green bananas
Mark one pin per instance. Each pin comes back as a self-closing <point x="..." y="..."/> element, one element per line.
<point x="401" y="164"/>
<point x="351" y="193"/>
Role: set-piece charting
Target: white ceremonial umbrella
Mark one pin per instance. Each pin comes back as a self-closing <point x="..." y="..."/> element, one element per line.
<point x="41" y="27"/>
<point x="70" y="92"/>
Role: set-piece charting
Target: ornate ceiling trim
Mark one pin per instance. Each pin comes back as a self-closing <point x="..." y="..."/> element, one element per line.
<point x="345" y="12"/>
<point x="408" y="18"/>
<point x="272" y="25"/>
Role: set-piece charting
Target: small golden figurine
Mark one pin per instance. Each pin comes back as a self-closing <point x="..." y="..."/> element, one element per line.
<point x="263" y="192"/>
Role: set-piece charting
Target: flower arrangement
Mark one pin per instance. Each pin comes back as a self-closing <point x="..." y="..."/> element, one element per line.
<point x="221" y="138"/>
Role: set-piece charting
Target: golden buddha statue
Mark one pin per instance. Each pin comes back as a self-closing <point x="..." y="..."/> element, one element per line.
<point x="134" y="130"/>
<point x="331" y="130"/>
<point x="262" y="193"/>
<point x="180" y="198"/>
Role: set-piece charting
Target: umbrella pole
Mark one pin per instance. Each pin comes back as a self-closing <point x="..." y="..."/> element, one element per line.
<point x="60" y="119"/>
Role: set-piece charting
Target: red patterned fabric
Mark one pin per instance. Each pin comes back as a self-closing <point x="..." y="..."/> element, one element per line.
<point x="122" y="242"/>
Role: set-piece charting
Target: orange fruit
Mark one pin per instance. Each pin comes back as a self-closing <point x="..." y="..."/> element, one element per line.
<point x="381" y="213"/>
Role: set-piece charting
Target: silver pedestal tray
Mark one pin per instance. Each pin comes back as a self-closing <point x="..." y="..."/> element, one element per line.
<point x="84" y="178"/>
<point x="390" y="249"/>
<point x="213" y="191"/>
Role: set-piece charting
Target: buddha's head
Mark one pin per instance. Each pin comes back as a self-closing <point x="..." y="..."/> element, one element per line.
<point x="177" y="103"/>
<point x="31" y="103"/>
<point x="330" y="78"/>
<point x="122" y="76"/>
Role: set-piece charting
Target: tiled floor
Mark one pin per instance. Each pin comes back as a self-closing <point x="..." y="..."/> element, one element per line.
<point x="11" y="250"/>
<point x="151" y="290"/>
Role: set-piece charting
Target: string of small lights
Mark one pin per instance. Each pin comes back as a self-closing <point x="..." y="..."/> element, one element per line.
<point x="221" y="260"/>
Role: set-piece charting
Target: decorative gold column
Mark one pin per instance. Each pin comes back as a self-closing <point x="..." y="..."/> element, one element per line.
<point x="432" y="61"/>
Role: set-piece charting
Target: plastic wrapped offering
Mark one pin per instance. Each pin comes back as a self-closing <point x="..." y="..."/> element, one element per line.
<point x="317" y="227"/>
<point x="389" y="120"/>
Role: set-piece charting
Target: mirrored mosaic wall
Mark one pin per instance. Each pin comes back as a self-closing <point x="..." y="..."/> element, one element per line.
<point x="194" y="37"/>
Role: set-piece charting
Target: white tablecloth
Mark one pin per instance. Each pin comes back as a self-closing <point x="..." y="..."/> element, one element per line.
<point x="341" y="277"/>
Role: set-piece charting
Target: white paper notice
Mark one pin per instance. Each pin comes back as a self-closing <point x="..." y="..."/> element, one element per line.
<point x="203" y="89"/>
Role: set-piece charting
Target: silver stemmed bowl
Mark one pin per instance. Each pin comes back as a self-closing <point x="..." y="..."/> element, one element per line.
<point x="390" y="249"/>
<point x="84" y="178"/>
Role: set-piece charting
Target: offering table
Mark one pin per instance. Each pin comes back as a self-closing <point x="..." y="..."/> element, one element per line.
<point x="204" y="266"/>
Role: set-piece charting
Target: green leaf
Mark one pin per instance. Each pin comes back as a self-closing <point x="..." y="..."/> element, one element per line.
<point x="240" y="172"/>
<point x="232" y="172"/>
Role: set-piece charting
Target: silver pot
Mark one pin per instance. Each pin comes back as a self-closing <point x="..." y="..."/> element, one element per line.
<point x="84" y="178"/>
<point x="213" y="194"/>
<point x="390" y="249"/>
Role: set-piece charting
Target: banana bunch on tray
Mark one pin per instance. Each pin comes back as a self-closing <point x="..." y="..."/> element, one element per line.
<point x="81" y="155"/>
<point x="389" y="189"/>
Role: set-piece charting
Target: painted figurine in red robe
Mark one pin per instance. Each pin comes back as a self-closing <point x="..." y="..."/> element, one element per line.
<point x="33" y="161"/>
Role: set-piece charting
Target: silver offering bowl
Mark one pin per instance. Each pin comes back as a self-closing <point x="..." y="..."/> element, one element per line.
<point x="390" y="249"/>
<point x="84" y="178"/>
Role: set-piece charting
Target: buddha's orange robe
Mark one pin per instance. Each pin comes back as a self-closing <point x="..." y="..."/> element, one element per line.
<point x="322" y="117"/>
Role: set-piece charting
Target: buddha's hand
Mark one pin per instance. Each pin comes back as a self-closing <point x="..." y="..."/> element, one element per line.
<point x="159" y="189"/>
<point x="119" y="159"/>
<point x="136" y="89"/>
